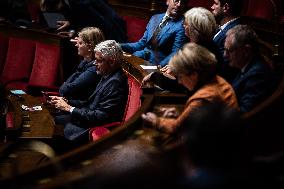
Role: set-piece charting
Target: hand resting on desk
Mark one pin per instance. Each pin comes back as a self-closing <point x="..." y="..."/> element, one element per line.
<point x="59" y="103"/>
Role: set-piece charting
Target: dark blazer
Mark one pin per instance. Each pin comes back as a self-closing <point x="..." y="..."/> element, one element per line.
<point x="227" y="72"/>
<point x="105" y="105"/>
<point x="254" y="84"/>
<point x="82" y="83"/>
<point x="169" y="40"/>
<point x="220" y="38"/>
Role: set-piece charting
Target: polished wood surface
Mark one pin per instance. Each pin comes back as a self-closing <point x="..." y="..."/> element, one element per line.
<point x="34" y="124"/>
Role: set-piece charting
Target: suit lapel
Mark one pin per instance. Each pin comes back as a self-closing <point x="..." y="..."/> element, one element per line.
<point x="154" y="25"/>
<point x="164" y="30"/>
<point x="99" y="86"/>
<point x="102" y="83"/>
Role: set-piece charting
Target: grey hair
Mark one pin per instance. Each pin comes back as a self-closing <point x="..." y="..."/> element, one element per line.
<point x="110" y="49"/>
<point x="242" y="35"/>
<point x="194" y="58"/>
<point x="202" y="21"/>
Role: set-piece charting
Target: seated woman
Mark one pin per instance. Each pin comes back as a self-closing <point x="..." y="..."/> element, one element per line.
<point x="195" y="68"/>
<point x="81" y="84"/>
<point x="200" y="27"/>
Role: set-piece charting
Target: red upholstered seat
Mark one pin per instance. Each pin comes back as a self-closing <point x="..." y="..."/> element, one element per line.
<point x="46" y="66"/>
<point x="265" y="9"/>
<point x="282" y="19"/>
<point x="19" y="61"/>
<point x="3" y="50"/>
<point x="135" y="27"/>
<point x="200" y="3"/>
<point x="133" y="104"/>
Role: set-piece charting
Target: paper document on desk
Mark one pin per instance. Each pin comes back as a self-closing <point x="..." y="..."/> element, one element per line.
<point x="149" y="67"/>
<point x="31" y="109"/>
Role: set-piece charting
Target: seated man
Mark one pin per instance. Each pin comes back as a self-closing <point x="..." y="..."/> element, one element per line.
<point x="164" y="35"/>
<point x="107" y="102"/>
<point x="255" y="80"/>
<point x="227" y="14"/>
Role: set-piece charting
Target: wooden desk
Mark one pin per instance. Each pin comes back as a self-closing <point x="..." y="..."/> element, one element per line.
<point x="132" y="64"/>
<point x="40" y="123"/>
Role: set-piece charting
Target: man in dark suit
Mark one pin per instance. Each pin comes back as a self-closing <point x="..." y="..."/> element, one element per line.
<point x="256" y="79"/>
<point x="164" y="35"/>
<point x="227" y="13"/>
<point x="107" y="102"/>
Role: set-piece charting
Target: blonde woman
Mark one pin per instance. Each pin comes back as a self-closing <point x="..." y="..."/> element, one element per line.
<point x="81" y="84"/>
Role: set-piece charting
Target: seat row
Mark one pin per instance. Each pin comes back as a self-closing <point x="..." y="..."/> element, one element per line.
<point x="26" y="62"/>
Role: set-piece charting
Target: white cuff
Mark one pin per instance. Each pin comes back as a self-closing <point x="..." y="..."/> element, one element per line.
<point x="71" y="109"/>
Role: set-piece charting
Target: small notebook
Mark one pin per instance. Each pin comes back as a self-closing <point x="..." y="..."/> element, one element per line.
<point x="51" y="19"/>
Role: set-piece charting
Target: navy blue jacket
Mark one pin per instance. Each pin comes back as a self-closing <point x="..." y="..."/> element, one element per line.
<point x="254" y="84"/>
<point x="81" y="84"/>
<point x="226" y="71"/>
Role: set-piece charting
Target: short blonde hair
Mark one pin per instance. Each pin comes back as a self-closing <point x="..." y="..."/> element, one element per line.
<point x="201" y="22"/>
<point x="194" y="58"/>
<point x="91" y="36"/>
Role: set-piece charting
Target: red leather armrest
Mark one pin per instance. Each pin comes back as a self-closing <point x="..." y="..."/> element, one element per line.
<point x="96" y="133"/>
<point x="10" y="120"/>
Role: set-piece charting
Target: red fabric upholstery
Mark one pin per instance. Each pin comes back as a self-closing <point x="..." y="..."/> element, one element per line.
<point x="133" y="104"/>
<point x="265" y="9"/>
<point x="282" y="19"/>
<point x="135" y="27"/>
<point x="19" y="61"/>
<point x="98" y="132"/>
<point x="10" y="120"/>
<point x="46" y="65"/>
<point x="3" y="51"/>
<point x="200" y="3"/>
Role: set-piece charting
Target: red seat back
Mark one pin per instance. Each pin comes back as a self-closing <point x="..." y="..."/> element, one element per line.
<point x="200" y="3"/>
<point x="19" y="60"/>
<point x="3" y="50"/>
<point x="135" y="27"/>
<point x="134" y="101"/>
<point x="265" y="9"/>
<point x="46" y="65"/>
